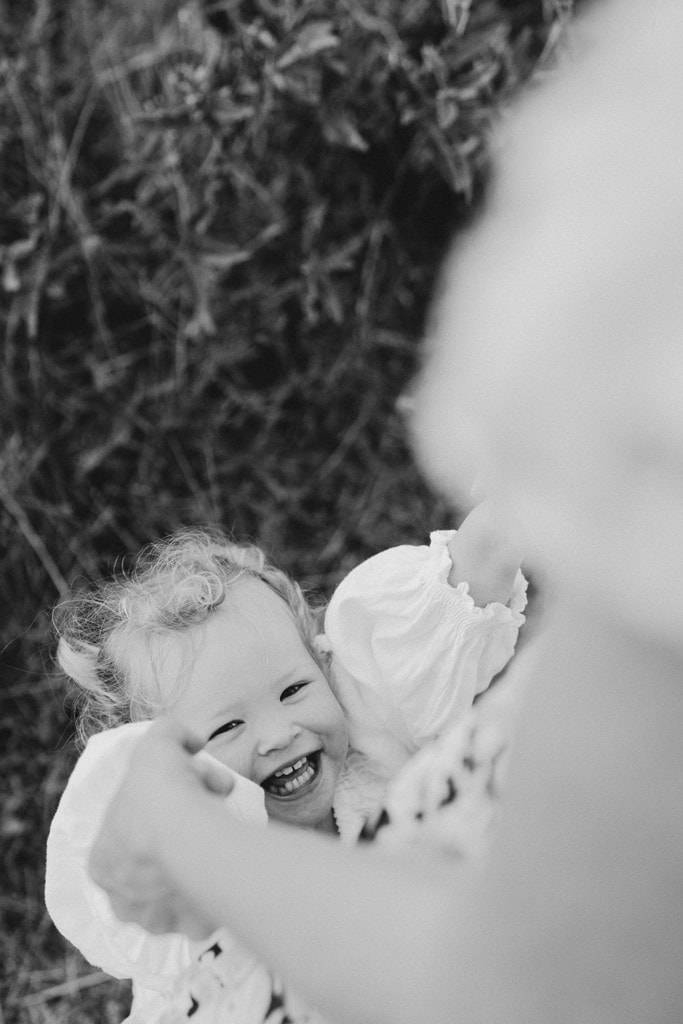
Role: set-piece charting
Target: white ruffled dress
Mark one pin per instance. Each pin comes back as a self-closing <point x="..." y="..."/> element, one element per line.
<point x="408" y="656"/>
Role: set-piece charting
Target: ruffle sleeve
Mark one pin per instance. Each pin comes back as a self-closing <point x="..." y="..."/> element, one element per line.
<point x="410" y="652"/>
<point x="79" y="908"/>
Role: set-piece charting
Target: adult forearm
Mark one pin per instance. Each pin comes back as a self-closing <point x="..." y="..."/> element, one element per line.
<point x="359" y="935"/>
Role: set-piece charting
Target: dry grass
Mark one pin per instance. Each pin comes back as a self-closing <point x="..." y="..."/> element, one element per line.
<point x="220" y="228"/>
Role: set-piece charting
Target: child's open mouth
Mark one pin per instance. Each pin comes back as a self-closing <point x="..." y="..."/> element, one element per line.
<point x="293" y="777"/>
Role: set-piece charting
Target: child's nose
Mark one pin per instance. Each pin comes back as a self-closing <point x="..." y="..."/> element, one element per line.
<point x="277" y="733"/>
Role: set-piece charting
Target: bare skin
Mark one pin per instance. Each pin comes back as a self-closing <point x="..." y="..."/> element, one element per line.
<point x="487" y="552"/>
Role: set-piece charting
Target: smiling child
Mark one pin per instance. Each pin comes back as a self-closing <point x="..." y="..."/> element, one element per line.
<point x="317" y="725"/>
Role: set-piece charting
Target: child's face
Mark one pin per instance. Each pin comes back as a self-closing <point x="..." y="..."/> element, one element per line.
<point x="263" y="704"/>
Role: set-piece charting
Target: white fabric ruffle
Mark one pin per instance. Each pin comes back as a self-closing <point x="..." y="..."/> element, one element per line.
<point x="79" y="908"/>
<point x="410" y="653"/>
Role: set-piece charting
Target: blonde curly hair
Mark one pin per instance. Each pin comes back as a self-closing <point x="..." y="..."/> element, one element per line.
<point x="112" y="637"/>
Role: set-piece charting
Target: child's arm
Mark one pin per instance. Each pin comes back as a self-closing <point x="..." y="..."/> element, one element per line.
<point x="486" y="554"/>
<point x="411" y="648"/>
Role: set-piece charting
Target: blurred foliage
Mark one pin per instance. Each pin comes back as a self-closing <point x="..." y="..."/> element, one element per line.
<point x="220" y="227"/>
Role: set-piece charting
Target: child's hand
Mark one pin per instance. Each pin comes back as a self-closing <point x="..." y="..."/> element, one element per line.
<point x="127" y="857"/>
<point x="486" y="552"/>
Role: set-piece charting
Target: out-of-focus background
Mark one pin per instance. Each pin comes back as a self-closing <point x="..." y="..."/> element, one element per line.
<point x="220" y="228"/>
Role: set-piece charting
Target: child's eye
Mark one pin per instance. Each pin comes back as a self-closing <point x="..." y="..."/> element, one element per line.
<point x="228" y="727"/>
<point x="291" y="690"/>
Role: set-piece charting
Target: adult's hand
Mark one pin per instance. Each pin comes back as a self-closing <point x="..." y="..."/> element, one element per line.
<point x="128" y="858"/>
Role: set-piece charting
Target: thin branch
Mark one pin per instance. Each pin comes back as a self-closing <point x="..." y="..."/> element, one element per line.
<point x="66" y="988"/>
<point x="21" y="519"/>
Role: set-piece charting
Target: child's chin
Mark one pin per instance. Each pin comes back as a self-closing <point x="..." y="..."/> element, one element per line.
<point x="298" y="817"/>
<point x="308" y="810"/>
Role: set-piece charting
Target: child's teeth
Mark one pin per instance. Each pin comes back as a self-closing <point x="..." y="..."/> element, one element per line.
<point x="292" y="768"/>
<point x="292" y="785"/>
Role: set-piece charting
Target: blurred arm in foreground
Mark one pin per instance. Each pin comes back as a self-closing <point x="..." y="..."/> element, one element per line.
<point x="555" y="378"/>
